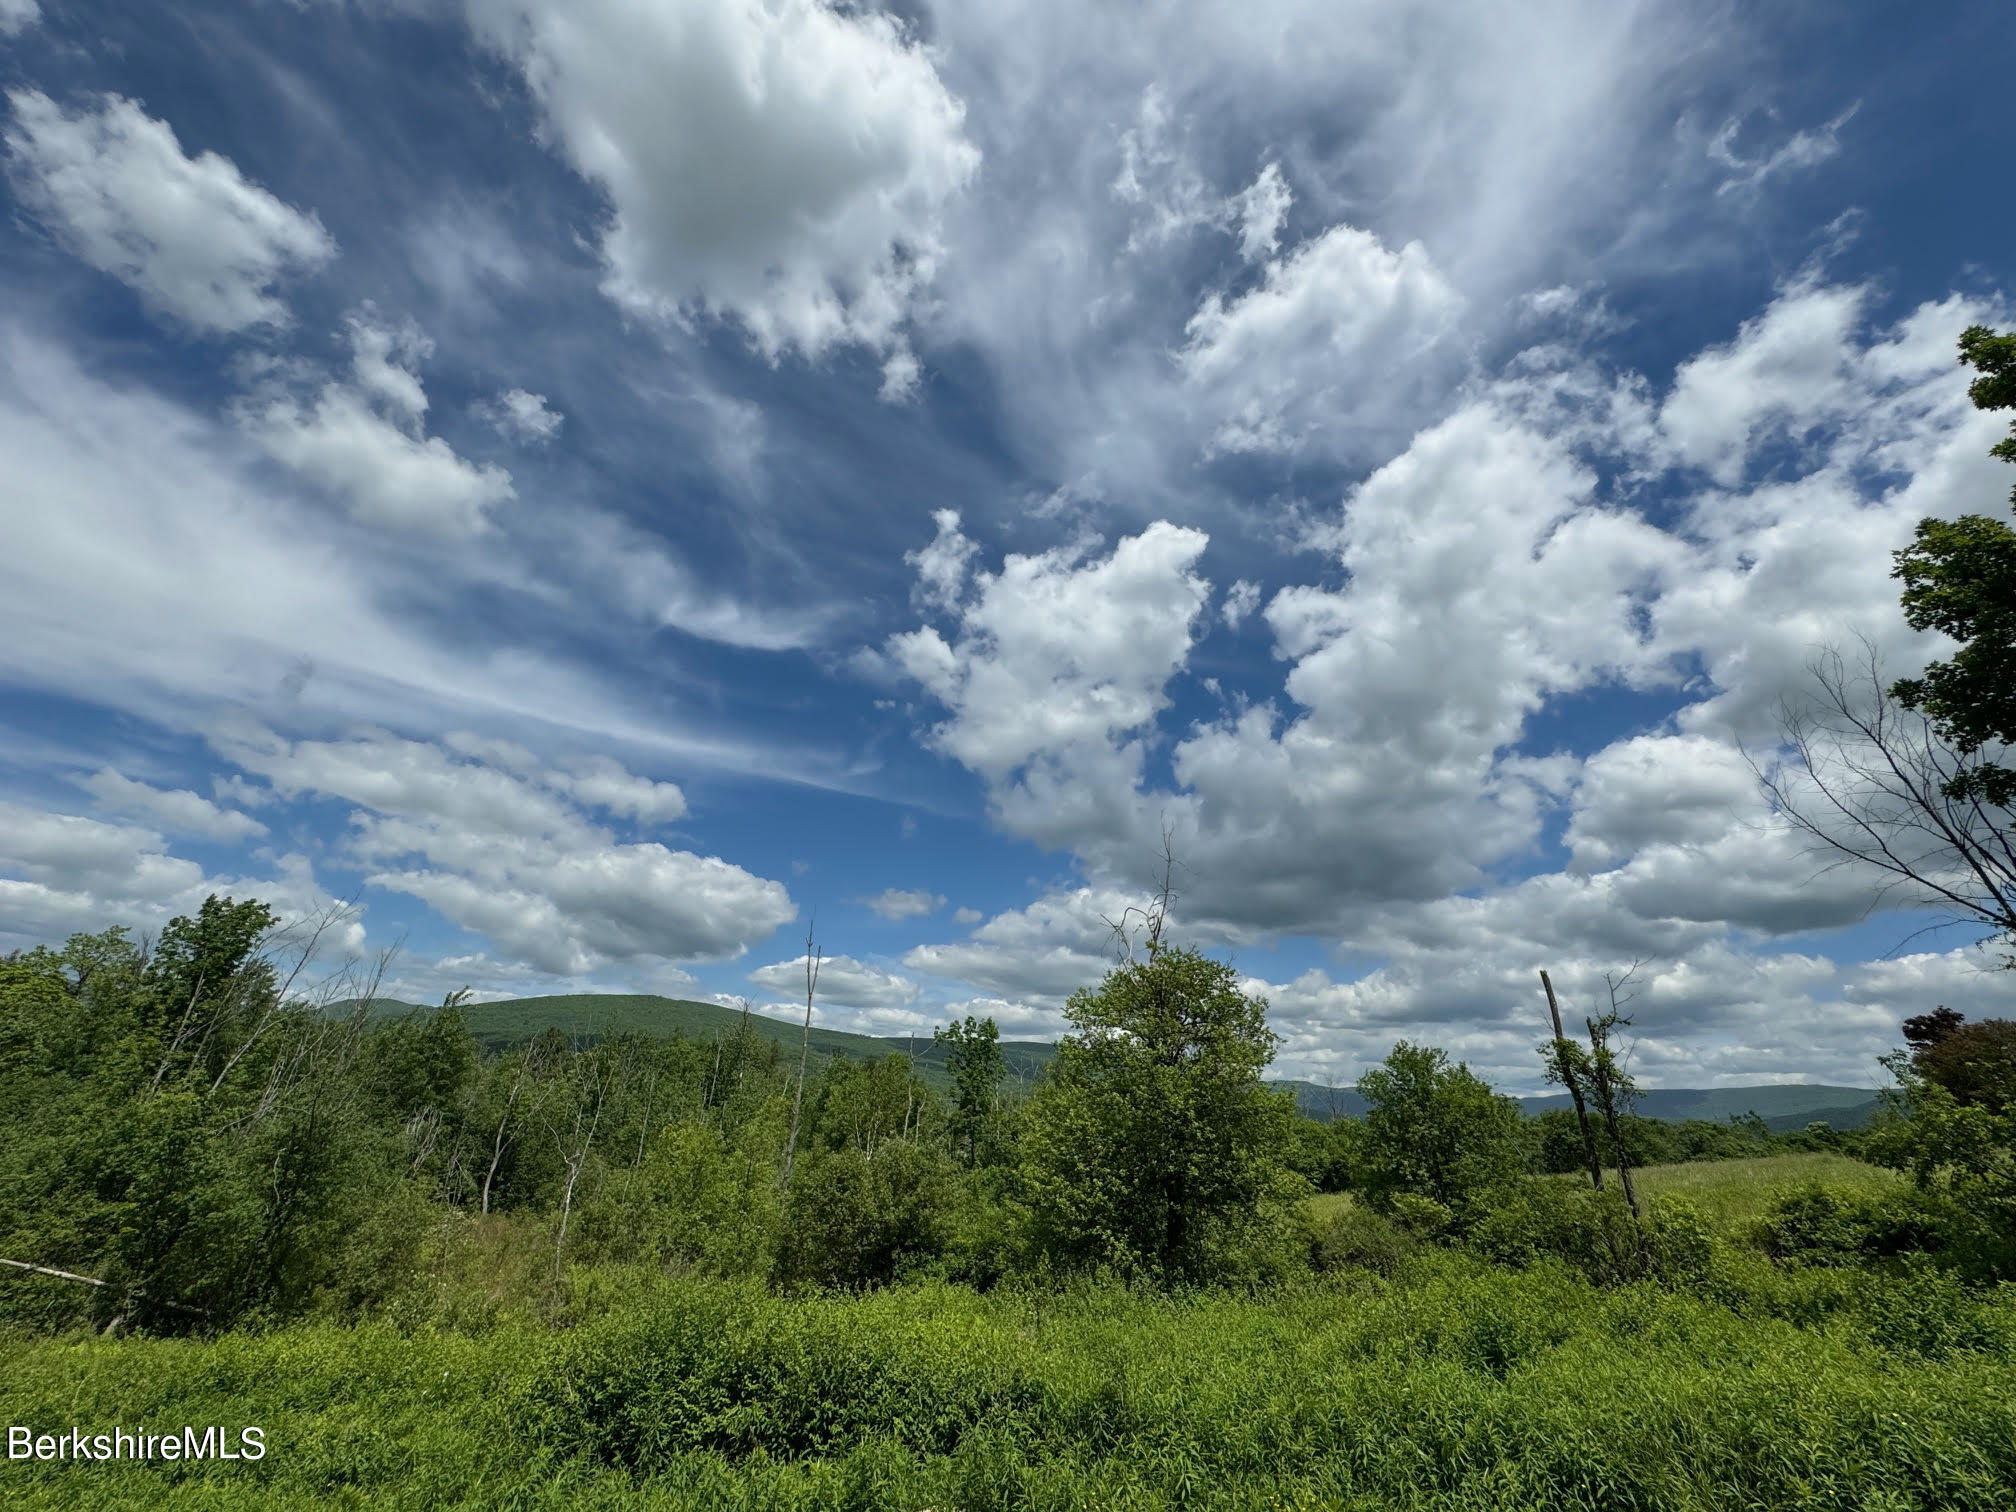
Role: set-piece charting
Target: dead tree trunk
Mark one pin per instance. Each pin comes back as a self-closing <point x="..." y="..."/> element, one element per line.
<point x="1566" y="1065"/>
<point x="501" y="1143"/>
<point x="813" y="956"/>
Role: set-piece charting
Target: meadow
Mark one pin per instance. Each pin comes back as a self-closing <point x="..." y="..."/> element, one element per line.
<point x="1449" y="1383"/>
<point x="630" y="1270"/>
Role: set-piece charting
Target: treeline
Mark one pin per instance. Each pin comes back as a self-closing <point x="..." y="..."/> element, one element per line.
<point x="187" y="1142"/>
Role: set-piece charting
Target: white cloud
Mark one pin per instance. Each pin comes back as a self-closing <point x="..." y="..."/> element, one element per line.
<point x="16" y="16"/>
<point x="1485" y="573"/>
<point x="1262" y="207"/>
<point x="1658" y="789"/>
<point x="1788" y="371"/>
<point x="896" y="905"/>
<point x="190" y="235"/>
<point x="1015" y="1020"/>
<point x="1338" y="315"/>
<point x="843" y="982"/>
<point x="522" y="417"/>
<point x="1040" y="954"/>
<point x="1057" y="668"/>
<point x="966" y="916"/>
<point x="178" y="811"/>
<point x="603" y="783"/>
<point x="363" y="440"/>
<point x="1241" y="599"/>
<point x="511" y="856"/>
<point x="61" y="873"/>
<point x="778" y="161"/>
<point x="1803" y="149"/>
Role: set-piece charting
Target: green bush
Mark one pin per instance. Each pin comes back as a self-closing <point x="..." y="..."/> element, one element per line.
<point x="854" y="1219"/>
<point x="1593" y="1234"/>
<point x="1359" y="1238"/>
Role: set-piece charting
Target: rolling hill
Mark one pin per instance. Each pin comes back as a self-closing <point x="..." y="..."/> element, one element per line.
<point x="588" y="1016"/>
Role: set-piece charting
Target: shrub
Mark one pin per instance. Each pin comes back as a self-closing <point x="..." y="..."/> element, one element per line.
<point x="1358" y="1238"/>
<point x="853" y="1219"/>
<point x="1593" y="1234"/>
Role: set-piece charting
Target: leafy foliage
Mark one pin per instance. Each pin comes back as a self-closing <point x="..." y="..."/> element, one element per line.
<point x="1960" y="579"/>
<point x="1154" y="1148"/>
<point x="1436" y="1131"/>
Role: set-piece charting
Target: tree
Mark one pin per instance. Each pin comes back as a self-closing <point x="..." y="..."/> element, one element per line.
<point x="1975" y="1063"/>
<point x="1154" y="1147"/>
<point x="1434" y="1130"/>
<point x="1960" y="579"/>
<point x="973" y="1056"/>
<point x="1873" y="784"/>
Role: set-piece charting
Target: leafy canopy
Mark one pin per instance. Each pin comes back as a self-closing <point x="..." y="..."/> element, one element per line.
<point x="1960" y="579"/>
<point x="1154" y="1148"/>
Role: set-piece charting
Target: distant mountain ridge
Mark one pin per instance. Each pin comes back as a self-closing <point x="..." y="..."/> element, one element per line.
<point x="499" y="1025"/>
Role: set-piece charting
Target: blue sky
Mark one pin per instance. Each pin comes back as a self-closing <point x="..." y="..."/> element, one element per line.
<point x="593" y="483"/>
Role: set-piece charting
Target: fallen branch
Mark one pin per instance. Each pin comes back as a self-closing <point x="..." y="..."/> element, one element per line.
<point x="63" y="1275"/>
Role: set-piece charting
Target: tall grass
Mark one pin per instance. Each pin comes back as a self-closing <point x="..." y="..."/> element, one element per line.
<point x="1732" y="1192"/>
<point x="1455" y="1385"/>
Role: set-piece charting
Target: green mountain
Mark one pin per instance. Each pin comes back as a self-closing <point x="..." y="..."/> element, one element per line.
<point x="1782" y="1106"/>
<point x="588" y="1016"/>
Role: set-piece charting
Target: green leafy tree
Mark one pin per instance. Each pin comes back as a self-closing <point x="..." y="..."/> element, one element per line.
<point x="1153" y="1147"/>
<point x="1960" y="579"/>
<point x="1435" y="1131"/>
<point x="1975" y="1063"/>
<point x="973" y="1056"/>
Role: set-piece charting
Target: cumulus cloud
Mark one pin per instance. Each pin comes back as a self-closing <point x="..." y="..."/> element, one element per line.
<point x="61" y="873"/>
<point x="178" y="810"/>
<point x="1342" y="310"/>
<point x="967" y="916"/>
<point x="363" y="440"/>
<point x="781" y="162"/>
<point x="1262" y="207"/>
<point x="1015" y="1020"/>
<point x="1484" y="574"/>
<point x="195" y="239"/>
<point x="1056" y="668"/>
<point x="1040" y="954"/>
<point x="1241" y="599"/>
<point x="522" y="417"/>
<point x="16" y="16"/>
<point x="510" y="853"/>
<point x="896" y="905"/>
<point x="843" y="982"/>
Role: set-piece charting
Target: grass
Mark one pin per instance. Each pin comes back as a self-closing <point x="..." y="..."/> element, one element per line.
<point x="1728" y="1192"/>
<point x="1453" y="1386"/>
<point x="1732" y="1192"/>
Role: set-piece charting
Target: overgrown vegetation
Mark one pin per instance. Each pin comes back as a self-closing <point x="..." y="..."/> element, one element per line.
<point x="572" y="1272"/>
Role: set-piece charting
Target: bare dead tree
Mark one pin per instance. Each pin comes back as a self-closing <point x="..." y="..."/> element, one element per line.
<point x="305" y="936"/>
<point x="529" y="1068"/>
<point x="1155" y="916"/>
<point x="574" y="1150"/>
<point x="1868" y="782"/>
<point x="1562" y="1067"/>
<point x="813" y="957"/>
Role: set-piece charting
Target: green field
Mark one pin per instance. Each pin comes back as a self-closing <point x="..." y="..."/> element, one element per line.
<point x="1450" y="1385"/>
<point x="1453" y="1386"/>
<point x="1733" y="1191"/>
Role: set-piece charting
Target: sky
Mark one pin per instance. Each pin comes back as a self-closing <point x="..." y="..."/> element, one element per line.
<point x="604" y="489"/>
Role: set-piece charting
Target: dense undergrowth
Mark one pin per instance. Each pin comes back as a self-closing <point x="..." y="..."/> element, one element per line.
<point x="1451" y="1383"/>
<point x="663" y="1273"/>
